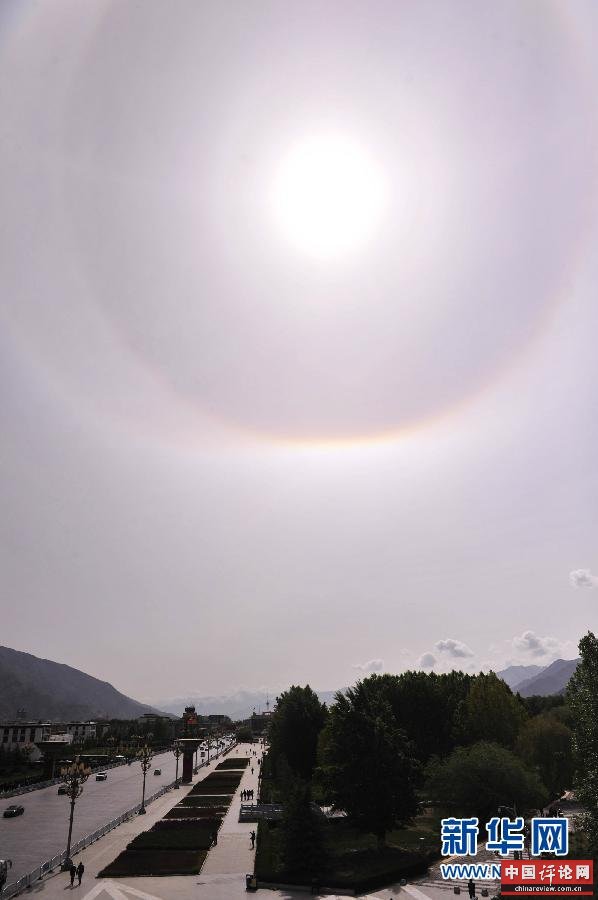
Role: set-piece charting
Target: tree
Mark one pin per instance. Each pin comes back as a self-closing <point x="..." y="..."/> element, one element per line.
<point x="545" y="743"/>
<point x="294" y="730"/>
<point x="244" y="734"/>
<point x="491" y="712"/>
<point x="426" y="706"/>
<point x="302" y="844"/>
<point x="475" y="781"/>
<point x="367" y="766"/>
<point x="582" y="695"/>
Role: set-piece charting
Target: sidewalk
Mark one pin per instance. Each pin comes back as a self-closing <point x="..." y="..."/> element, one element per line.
<point x="233" y="853"/>
<point x="223" y="873"/>
<point x="226" y="879"/>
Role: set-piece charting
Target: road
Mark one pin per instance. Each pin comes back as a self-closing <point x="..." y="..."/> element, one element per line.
<point x="41" y="832"/>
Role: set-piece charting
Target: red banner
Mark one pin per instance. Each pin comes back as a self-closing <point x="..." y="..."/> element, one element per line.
<point x="559" y="877"/>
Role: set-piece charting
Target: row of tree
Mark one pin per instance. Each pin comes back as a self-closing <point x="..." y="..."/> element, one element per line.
<point x="393" y="743"/>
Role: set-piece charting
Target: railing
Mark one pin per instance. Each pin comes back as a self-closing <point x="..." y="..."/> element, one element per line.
<point x="11" y="890"/>
<point x="38" y="785"/>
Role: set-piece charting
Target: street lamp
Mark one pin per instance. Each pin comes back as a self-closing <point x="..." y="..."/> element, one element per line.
<point x="178" y="752"/>
<point x="5" y="865"/>
<point x="74" y="776"/>
<point x="145" y="757"/>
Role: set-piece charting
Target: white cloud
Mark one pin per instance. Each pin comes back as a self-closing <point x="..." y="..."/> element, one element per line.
<point x="373" y="665"/>
<point x="427" y="661"/>
<point x="455" y="649"/>
<point x="531" y="644"/>
<point x="583" y="578"/>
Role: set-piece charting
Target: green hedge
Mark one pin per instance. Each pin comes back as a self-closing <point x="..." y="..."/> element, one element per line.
<point x="155" y="863"/>
<point x="211" y="790"/>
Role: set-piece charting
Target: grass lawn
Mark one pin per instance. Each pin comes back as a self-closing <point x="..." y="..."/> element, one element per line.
<point x="353" y="860"/>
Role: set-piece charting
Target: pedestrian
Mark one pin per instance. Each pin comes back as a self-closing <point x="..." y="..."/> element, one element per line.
<point x="252" y="770"/>
<point x="214" y="838"/>
<point x="471" y="888"/>
<point x="72" y="873"/>
<point x="252" y="836"/>
<point x="80" y="871"/>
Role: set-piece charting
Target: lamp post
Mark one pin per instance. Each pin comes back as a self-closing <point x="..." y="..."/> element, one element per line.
<point x="74" y="776"/>
<point x="145" y="757"/>
<point x="178" y="752"/>
<point x="5" y="865"/>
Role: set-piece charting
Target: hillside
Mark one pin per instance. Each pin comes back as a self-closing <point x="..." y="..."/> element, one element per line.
<point x="515" y="675"/>
<point x="551" y="680"/>
<point x="50" y="690"/>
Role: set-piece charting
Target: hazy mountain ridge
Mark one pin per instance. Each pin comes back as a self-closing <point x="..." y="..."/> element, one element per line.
<point x="238" y="705"/>
<point x="527" y="680"/>
<point x="515" y="675"/>
<point x="553" y="679"/>
<point x="55" y="691"/>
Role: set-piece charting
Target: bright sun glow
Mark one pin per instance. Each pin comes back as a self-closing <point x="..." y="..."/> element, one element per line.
<point x="328" y="196"/>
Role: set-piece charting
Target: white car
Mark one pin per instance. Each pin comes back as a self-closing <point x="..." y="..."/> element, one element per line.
<point x="101" y="776"/>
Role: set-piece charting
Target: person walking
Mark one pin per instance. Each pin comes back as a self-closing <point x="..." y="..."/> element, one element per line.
<point x="252" y="836"/>
<point x="80" y="871"/>
<point x="72" y="873"/>
<point x="471" y="888"/>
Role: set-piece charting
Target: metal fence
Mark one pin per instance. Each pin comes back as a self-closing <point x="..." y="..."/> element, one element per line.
<point x="38" y="785"/>
<point x="11" y="890"/>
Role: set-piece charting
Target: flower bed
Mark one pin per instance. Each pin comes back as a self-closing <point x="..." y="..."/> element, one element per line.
<point x="209" y="801"/>
<point x="235" y="762"/>
<point x="182" y="812"/>
<point x="155" y="863"/>
<point x="196" y="838"/>
<point x="186" y="824"/>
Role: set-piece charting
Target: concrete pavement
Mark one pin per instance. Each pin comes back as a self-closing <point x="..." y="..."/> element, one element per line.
<point x="223" y="873"/>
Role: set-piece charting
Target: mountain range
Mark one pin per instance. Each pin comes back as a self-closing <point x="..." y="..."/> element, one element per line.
<point x="238" y="705"/>
<point x="41" y="689"/>
<point x="541" y="681"/>
<point x="35" y="688"/>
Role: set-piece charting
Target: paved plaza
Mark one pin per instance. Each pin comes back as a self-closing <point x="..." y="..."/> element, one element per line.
<point x="224" y="870"/>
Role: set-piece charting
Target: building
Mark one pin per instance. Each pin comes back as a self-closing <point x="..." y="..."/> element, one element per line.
<point x="21" y="735"/>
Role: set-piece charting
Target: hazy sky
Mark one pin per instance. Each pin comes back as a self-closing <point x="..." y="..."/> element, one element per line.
<point x="247" y="439"/>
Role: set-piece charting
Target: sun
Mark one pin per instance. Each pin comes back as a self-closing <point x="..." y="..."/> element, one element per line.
<point x="328" y="196"/>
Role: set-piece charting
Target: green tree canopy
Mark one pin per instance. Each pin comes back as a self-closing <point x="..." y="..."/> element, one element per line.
<point x="425" y="705"/>
<point x="476" y="780"/>
<point x="294" y="729"/>
<point x="491" y="712"/>
<point x="302" y="841"/>
<point x="367" y="766"/>
<point x="582" y="694"/>
<point x="545" y="744"/>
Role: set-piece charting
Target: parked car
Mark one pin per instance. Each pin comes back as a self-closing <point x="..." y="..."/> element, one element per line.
<point x="101" y="776"/>
<point x="11" y="811"/>
<point x="157" y="771"/>
<point x="63" y="789"/>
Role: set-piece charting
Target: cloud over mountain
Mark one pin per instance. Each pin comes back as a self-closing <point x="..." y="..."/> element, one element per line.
<point x="454" y="649"/>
